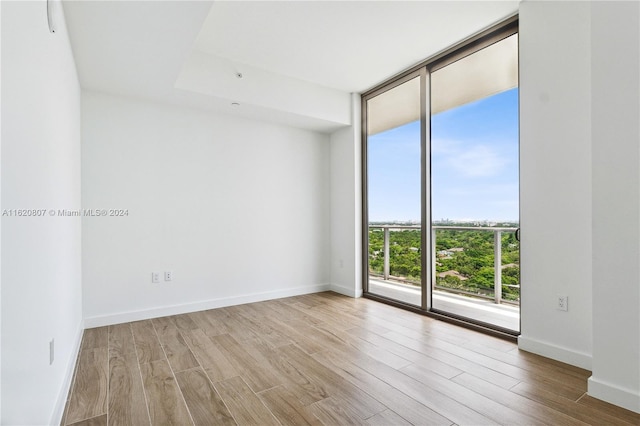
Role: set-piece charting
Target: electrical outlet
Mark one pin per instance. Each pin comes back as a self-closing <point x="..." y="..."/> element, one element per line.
<point x="563" y="303"/>
<point x="155" y="277"/>
<point x="168" y="276"/>
<point x="51" y="351"/>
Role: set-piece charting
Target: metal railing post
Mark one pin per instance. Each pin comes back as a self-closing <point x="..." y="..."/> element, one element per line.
<point x="386" y="253"/>
<point x="497" y="265"/>
<point x="433" y="258"/>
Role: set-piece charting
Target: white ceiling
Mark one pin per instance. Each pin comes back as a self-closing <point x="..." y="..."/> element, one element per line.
<point x="311" y="54"/>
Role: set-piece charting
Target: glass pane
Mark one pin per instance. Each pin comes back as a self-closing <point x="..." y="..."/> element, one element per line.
<point x="394" y="202"/>
<point x="474" y="185"/>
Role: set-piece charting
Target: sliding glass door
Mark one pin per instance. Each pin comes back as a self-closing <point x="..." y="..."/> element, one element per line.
<point x="440" y="180"/>
<point x="394" y="231"/>
<point x="474" y="185"/>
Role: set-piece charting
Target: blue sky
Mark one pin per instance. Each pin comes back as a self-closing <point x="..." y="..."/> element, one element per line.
<point x="474" y="164"/>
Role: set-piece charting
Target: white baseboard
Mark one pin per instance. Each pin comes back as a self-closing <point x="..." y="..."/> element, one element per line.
<point x="58" y="411"/>
<point x="622" y="397"/>
<point x="118" y="318"/>
<point x="347" y="291"/>
<point x="559" y="353"/>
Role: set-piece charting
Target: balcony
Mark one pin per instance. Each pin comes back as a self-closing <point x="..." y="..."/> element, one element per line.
<point x="489" y="294"/>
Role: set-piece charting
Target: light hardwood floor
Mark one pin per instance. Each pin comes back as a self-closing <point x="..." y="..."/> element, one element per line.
<point x="321" y="359"/>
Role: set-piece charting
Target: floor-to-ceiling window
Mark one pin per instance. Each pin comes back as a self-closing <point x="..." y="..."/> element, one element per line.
<point x="394" y="198"/>
<point x="440" y="180"/>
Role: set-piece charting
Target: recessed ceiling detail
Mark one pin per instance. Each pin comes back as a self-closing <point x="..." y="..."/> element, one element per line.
<point x="299" y="60"/>
<point x="214" y="76"/>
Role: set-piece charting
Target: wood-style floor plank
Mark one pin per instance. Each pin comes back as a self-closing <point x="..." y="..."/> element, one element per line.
<point x="367" y="381"/>
<point x="95" y="338"/>
<point x="175" y="348"/>
<point x="284" y="310"/>
<point x="346" y="317"/>
<point x="386" y="418"/>
<point x="146" y="341"/>
<point x="127" y="403"/>
<point x="447" y="406"/>
<point x="89" y="397"/>
<point x="434" y="365"/>
<point x="184" y="322"/>
<point x="376" y="352"/>
<point x="361" y="403"/>
<point x="411" y="409"/>
<point x="244" y="404"/>
<point x="491" y="408"/>
<point x="204" y="403"/>
<point x="580" y="412"/>
<point x="213" y="322"/>
<point x="121" y="339"/>
<point x="95" y="421"/>
<point x="535" y="368"/>
<point x="237" y="328"/>
<point x="316" y="316"/>
<point x="164" y="399"/>
<point x="331" y="412"/>
<point x="320" y="336"/>
<point x="215" y="364"/>
<point x="485" y="366"/>
<point x="610" y="409"/>
<point x="286" y="407"/>
<point x="497" y="361"/>
<point x="533" y="363"/>
<point x="536" y="411"/>
<point x="255" y="374"/>
<point x="295" y="335"/>
<point x="437" y="361"/>
<point x="303" y="387"/>
<point x="252" y="320"/>
<point x="321" y="359"/>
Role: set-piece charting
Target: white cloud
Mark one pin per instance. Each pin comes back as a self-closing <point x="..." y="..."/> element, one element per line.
<point x="445" y="147"/>
<point x="477" y="161"/>
<point x="509" y="190"/>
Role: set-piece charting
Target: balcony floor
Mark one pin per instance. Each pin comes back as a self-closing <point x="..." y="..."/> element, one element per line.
<point x="506" y="316"/>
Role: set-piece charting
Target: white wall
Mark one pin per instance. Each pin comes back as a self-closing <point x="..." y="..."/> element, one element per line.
<point x="41" y="259"/>
<point x="555" y="179"/>
<point x="346" y="207"/>
<point x="615" y="70"/>
<point x="237" y="209"/>
<point x="580" y="189"/>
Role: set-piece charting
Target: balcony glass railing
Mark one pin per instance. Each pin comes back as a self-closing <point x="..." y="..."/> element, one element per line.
<point x="475" y="261"/>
